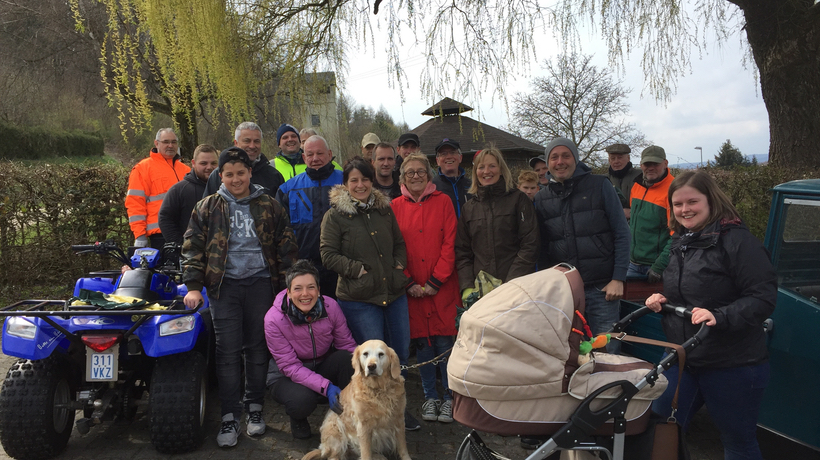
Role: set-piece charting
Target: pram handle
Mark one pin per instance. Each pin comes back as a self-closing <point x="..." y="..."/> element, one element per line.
<point x="666" y="309"/>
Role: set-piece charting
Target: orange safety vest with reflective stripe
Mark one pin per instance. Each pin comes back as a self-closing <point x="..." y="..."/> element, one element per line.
<point x="149" y="181"/>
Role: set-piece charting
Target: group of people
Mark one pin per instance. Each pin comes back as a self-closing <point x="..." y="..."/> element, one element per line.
<point x="302" y="259"/>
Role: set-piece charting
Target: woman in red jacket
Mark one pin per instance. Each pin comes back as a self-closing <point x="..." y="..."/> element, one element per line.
<point x="428" y="223"/>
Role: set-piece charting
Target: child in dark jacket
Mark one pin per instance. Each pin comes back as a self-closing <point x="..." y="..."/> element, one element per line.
<point x="238" y="245"/>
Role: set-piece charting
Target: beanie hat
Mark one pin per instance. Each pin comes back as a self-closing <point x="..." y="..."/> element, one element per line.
<point x="283" y="129"/>
<point x="566" y="143"/>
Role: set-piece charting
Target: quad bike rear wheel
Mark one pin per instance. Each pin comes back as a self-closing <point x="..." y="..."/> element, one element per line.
<point x="177" y="399"/>
<point x="36" y="417"/>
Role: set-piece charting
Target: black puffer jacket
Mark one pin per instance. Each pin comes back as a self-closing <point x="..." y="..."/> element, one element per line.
<point x="179" y="201"/>
<point x="726" y="270"/>
<point x="497" y="233"/>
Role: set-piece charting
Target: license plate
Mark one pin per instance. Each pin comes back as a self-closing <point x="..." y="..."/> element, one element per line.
<point x="102" y="367"/>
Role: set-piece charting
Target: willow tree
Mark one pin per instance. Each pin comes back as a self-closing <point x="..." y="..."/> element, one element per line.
<point x="175" y="57"/>
<point x="471" y="47"/>
<point x="474" y="46"/>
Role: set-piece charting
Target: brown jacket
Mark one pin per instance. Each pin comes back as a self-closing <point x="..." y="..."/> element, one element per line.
<point x="497" y="233"/>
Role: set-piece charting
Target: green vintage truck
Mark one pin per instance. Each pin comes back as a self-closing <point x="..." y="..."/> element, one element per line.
<point x="791" y="406"/>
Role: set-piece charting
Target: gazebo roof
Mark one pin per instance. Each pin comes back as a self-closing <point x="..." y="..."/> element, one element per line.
<point x="446" y="107"/>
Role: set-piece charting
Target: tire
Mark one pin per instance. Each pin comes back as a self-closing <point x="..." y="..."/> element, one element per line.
<point x="177" y="399"/>
<point x="31" y="427"/>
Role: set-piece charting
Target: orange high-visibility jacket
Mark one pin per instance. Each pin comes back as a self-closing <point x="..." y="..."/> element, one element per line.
<point x="149" y="181"/>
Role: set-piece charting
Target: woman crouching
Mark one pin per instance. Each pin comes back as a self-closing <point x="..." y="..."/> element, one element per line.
<point x="311" y="347"/>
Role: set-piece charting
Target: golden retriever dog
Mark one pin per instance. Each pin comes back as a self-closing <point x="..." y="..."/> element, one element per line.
<point x="372" y="419"/>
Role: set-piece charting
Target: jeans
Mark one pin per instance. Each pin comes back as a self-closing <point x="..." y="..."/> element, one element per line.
<point x="390" y="324"/>
<point x="238" y="316"/>
<point x="732" y="396"/>
<point x="637" y="272"/>
<point x="299" y="400"/>
<point x="428" y="348"/>
<point x="601" y="314"/>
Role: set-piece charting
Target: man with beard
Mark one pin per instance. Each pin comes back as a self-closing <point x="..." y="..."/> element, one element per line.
<point x="305" y="198"/>
<point x="649" y="224"/>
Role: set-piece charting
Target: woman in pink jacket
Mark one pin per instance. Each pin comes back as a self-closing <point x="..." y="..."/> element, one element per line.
<point x="311" y="345"/>
<point x="428" y="223"/>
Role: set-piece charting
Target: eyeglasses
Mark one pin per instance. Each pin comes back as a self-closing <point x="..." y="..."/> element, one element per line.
<point x="168" y="142"/>
<point x="421" y="173"/>
<point x="444" y="153"/>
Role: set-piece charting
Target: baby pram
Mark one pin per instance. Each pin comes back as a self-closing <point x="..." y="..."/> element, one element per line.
<point x="514" y="371"/>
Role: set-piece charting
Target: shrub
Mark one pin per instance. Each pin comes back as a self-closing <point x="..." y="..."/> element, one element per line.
<point x="32" y="143"/>
<point x="45" y="208"/>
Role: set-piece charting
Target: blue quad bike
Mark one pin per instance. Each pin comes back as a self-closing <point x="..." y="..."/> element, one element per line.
<point x="102" y="358"/>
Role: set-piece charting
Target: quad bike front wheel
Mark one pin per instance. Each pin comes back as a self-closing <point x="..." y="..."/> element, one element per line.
<point x="36" y="417"/>
<point x="177" y="400"/>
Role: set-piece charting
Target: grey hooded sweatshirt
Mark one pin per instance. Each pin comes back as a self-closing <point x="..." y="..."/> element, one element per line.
<point x="245" y="258"/>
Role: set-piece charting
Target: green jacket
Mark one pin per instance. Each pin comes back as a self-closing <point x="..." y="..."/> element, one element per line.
<point x="353" y="238"/>
<point x="649" y="224"/>
<point x="206" y="242"/>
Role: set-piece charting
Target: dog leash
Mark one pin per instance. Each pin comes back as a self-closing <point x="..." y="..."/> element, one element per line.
<point x="438" y="359"/>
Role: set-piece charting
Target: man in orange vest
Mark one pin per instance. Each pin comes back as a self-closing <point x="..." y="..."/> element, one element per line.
<point x="149" y="181"/>
<point x="649" y="217"/>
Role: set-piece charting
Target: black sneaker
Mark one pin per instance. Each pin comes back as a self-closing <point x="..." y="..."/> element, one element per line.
<point x="300" y="428"/>
<point x="410" y="422"/>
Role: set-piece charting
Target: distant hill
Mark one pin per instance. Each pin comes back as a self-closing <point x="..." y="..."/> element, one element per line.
<point x="761" y="159"/>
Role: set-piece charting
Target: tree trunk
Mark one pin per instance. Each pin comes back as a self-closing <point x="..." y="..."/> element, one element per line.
<point x="784" y="36"/>
<point x="188" y="135"/>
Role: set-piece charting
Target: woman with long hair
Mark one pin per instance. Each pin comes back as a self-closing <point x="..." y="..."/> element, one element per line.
<point x="720" y="271"/>
<point x="497" y="230"/>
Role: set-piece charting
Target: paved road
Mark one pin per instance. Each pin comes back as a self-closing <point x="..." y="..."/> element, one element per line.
<point x="435" y="441"/>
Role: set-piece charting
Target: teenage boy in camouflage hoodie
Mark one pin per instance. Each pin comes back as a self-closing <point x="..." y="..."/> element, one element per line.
<point x="238" y="245"/>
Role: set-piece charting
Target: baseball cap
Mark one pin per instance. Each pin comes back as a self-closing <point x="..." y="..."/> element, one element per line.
<point x="370" y="138"/>
<point x="447" y="141"/>
<point x="408" y="137"/>
<point x="620" y="149"/>
<point x="653" y="154"/>
<point x="534" y="160"/>
<point x="233" y="154"/>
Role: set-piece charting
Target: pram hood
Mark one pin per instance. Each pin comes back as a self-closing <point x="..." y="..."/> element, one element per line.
<point x="516" y="343"/>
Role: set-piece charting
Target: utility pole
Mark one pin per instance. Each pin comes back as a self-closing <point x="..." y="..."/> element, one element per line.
<point x="701" y="155"/>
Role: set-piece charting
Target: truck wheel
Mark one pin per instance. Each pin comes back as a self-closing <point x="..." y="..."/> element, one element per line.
<point x="177" y="401"/>
<point x="35" y="414"/>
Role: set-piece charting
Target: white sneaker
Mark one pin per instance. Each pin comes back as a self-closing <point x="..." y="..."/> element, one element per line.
<point x="229" y="432"/>
<point x="254" y="422"/>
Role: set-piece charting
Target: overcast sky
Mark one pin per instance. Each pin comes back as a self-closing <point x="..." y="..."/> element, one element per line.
<point x="718" y="100"/>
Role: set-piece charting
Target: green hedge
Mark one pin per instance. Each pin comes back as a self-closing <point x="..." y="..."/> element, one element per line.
<point x="44" y="209"/>
<point x="32" y="143"/>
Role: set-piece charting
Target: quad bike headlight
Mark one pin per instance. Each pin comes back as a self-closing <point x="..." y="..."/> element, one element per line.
<point x="21" y="327"/>
<point x="177" y="325"/>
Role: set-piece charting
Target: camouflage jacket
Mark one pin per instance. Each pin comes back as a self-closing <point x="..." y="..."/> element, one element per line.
<point x="205" y="249"/>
